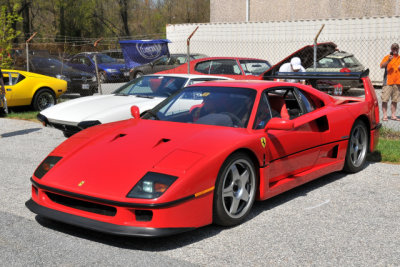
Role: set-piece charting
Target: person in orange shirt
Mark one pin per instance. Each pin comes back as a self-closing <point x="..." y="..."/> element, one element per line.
<point x="391" y="90"/>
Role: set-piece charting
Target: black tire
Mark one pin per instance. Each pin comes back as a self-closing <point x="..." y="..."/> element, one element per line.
<point x="234" y="193"/>
<point x="44" y="98"/>
<point x="138" y="74"/>
<point x="357" y="148"/>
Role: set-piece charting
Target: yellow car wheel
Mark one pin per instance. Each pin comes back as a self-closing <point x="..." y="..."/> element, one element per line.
<point x="44" y="98"/>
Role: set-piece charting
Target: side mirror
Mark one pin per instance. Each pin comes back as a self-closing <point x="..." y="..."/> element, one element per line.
<point x="135" y="112"/>
<point x="279" y="124"/>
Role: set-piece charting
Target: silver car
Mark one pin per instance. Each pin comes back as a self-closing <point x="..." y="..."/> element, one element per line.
<point x="340" y="61"/>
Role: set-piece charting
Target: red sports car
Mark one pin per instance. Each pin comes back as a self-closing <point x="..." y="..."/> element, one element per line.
<point x="203" y="156"/>
<point x="233" y="67"/>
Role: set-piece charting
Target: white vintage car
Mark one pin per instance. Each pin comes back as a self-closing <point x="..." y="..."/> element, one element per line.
<point x="145" y="92"/>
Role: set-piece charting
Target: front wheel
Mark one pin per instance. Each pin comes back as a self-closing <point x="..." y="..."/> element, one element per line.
<point x="235" y="190"/>
<point x="43" y="99"/>
<point x="356" y="154"/>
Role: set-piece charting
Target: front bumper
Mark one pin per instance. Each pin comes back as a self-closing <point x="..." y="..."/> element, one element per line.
<point x="122" y="218"/>
<point x="101" y="226"/>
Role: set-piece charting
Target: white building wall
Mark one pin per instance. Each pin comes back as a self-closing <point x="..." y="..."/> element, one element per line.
<point x="369" y="39"/>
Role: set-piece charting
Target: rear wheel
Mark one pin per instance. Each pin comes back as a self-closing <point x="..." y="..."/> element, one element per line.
<point x="357" y="148"/>
<point x="44" y="98"/>
<point x="235" y="190"/>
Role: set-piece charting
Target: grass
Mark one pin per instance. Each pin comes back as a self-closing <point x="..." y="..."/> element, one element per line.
<point x="388" y="149"/>
<point x="23" y="115"/>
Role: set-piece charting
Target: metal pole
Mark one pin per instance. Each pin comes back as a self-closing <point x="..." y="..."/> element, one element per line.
<point x="315" y="47"/>
<point x="97" y="69"/>
<point x="188" y="48"/>
<point x="27" y="50"/>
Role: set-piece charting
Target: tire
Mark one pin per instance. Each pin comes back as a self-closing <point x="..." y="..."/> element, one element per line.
<point x="235" y="191"/>
<point x="138" y="74"/>
<point x="357" y="148"/>
<point x="44" y="98"/>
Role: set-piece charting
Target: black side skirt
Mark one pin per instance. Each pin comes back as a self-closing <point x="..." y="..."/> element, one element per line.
<point x="101" y="226"/>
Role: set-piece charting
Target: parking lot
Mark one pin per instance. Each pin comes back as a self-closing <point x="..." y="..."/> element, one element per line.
<point x="337" y="220"/>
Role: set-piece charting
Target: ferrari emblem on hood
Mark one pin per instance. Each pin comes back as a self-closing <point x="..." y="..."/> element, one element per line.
<point x="263" y="142"/>
<point x="81" y="183"/>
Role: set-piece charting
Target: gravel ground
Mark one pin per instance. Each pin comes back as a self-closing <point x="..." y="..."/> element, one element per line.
<point x="337" y="220"/>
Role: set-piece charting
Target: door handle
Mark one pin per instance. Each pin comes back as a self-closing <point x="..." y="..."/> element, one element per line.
<point x="9" y="89"/>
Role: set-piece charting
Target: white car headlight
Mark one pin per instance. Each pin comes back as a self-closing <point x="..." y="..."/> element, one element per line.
<point x="63" y="77"/>
<point x="94" y="79"/>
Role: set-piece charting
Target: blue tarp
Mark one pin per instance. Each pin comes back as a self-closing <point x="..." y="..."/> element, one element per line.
<point x="138" y="52"/>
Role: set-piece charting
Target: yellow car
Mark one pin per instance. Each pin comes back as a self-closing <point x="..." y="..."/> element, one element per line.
<point x="28" y="88"/>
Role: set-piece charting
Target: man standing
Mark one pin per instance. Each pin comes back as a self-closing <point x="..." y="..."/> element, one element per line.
<point x="293" y="66"/>
<point x="391" y="90"/>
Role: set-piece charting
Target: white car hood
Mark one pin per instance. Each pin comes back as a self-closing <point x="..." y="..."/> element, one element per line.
<point x="104" y="108"/>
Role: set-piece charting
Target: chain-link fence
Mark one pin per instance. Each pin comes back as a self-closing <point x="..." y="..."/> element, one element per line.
<point x="361" y="42"/>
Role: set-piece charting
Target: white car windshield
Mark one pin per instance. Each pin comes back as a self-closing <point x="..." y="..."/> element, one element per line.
<point x="152" y="86"/>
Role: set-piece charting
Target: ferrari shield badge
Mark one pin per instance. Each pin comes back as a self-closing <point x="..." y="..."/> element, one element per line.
<point x="81" y="183"/>
<point x="263" y="142"/>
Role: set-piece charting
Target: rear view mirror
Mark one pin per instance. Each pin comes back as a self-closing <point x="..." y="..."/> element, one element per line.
<point x="135" y="112"/>
<point x="279" y="124"/>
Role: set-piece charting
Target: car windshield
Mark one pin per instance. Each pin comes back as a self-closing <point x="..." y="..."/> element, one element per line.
<point x="51" y="63"/>
<point x="151" y="86"/>
<point x="254" y="67"/>
<point x="220" y="106"/>
<point x="102" y="58"/>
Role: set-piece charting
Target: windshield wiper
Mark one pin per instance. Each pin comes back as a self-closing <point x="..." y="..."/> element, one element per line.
<point x="145" y="96"/>
<point x="152" y="113"/>
<point x="121" y="94"/>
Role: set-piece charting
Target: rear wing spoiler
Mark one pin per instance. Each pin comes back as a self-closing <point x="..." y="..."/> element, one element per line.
<point x="314" y="76"/>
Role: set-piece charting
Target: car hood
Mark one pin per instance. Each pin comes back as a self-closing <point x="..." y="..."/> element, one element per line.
<point x="306" y="54"/>
<point x="104" y="108"/>
<point x="112" y="158"/>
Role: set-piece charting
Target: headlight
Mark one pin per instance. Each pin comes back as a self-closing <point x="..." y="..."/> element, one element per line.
<point x="94" y="79"/>
<point x="63" y="77"/>
<point x="152" y="185"/>
<point x="111" y="70"/>
<point x="46" y="166"/>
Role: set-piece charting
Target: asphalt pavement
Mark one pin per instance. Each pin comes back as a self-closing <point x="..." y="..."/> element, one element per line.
<point x="336" y="220"/>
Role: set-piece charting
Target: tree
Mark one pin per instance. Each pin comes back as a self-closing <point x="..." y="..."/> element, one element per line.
<point x="8" y="18"/>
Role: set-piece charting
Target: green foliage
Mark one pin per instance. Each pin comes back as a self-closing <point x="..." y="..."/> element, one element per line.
<point x="8" y="18"/>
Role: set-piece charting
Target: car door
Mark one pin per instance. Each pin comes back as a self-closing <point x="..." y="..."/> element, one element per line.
<point x="16" y="93"/>
<point x="292" y="151"/>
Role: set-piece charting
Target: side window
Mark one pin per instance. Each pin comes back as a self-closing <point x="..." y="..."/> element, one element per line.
<point x="6" y="79"/>
<point x="263" y="114"/>
<point x="75" y="60"/>
<point x="307" y="101"/>
<point x="203" y="67"/>
<point x="226" y="66"/>
<point x="284" y="103"/>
